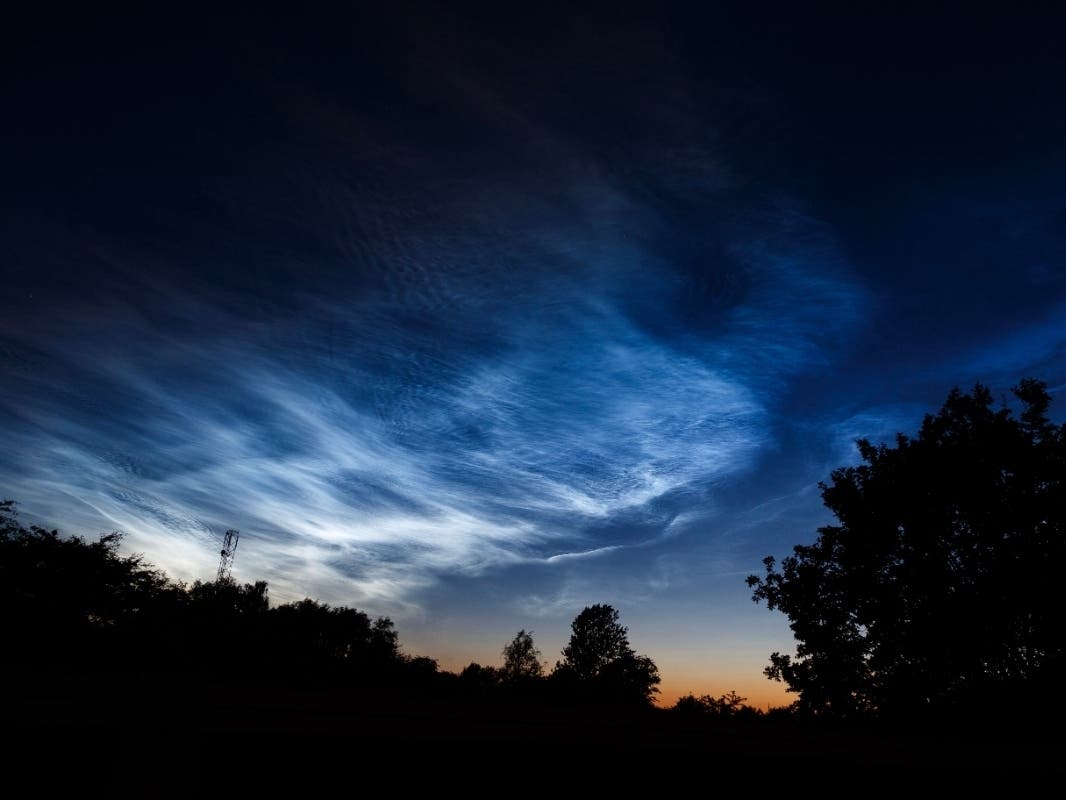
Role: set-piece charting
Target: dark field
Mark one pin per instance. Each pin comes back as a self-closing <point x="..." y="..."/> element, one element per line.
<point x="136" y="729"/>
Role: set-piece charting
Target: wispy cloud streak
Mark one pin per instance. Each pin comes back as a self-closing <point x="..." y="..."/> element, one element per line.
<point x="365" y="476"/>
<point x="468" y="373"/>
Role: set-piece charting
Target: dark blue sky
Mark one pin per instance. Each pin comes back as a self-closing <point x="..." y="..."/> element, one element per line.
<point x="476" y="319"/>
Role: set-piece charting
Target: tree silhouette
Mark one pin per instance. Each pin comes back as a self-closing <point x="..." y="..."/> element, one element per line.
<point x="938" y="588"/>
<point x="521" y="659"/>
<point x="479" y="680"/>
<point x="597" y="639"/>
<point x="312" y="637"/>
<point x="727" y="706"/>
<point x="601" y="665"/>
<point x="65" y="601"/>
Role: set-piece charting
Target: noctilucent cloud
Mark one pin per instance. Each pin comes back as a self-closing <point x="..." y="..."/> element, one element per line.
<point x="473" y="321"/>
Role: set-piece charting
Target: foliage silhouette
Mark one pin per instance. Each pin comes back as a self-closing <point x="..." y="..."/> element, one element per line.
<point x="223" y="624"/>
<point x="84" y="626"/>
<point x="69" y="604"/>
<point x="65" y="601"/>
<point x="938" y="590"/>
<point x="599" y="665"/>
<point x="308" y="637"/>
<point x="479" y="681"/>
<point x="727" y="706"/>
<point x="521" y="659"/>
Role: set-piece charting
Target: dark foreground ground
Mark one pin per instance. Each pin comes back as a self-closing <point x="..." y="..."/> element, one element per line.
<point x="163" y="734"/>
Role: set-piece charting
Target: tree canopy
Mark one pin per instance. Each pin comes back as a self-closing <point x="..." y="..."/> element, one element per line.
<point x="68" y="603"/>
<point x="938" y="588"/>
<point x="65" y="600"/>
<point x="72" y="605"/>
<point x="599" y="660"/>
<point x="521" y="659"/>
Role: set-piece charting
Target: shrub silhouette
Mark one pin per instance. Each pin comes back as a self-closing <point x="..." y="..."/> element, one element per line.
<point x="727" y="706"/>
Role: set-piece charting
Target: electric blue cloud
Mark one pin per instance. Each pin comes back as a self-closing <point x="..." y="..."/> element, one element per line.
<point x="480" y="401"/>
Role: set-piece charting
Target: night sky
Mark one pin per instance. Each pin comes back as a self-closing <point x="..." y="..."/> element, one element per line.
<point x="473" y="320"/>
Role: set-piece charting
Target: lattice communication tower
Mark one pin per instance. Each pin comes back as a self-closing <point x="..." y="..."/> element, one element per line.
<point x="225" y="563"/>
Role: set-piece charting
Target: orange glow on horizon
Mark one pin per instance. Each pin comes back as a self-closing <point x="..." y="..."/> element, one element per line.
<point x="760" y="692"/>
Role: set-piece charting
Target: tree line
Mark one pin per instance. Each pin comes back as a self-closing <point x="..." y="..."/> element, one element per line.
<point x="935" y="596"/>
<point x="71" y="605"/>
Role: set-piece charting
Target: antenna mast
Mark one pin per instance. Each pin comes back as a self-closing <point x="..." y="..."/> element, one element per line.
<point x="225" y="563"/>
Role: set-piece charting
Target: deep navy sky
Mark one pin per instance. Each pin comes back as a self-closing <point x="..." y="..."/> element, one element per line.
<point x="476" y="319"/>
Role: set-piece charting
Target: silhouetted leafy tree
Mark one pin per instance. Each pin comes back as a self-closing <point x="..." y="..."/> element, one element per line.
<point x="308" y="636"/>
<point x="225" y="625"/>
<point x="690" y="705"/>
<point x="597" y="639"/>
<point x="64" y="600"/>
<point x="70" y="604"/>
<point x="730" y="706"/>
<point x="599" y="663"/>
<point x="423" y="674"/>
<point x="939" y="588"/>
<point x="478" y="680"/>
<point x="227" y="598"/>
<point x="521" y="659"/>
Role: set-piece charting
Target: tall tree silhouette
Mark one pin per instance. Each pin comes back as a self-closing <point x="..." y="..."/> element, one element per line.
<point x="521" y="659"/>
<point x="599" y="662"/>
<point x="939" y="587"/>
